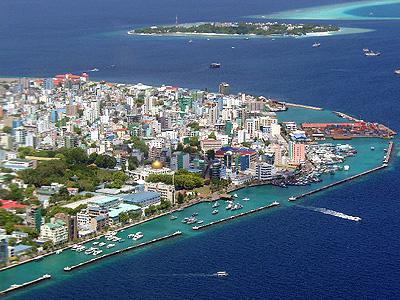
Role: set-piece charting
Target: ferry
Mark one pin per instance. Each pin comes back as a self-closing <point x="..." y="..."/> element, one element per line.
<point x="221" y="274"/>
<point x="316" y="45"/>
<point x="215" y="211"/>
<point x="215" y="65"/>
<point x="173" y="218"/>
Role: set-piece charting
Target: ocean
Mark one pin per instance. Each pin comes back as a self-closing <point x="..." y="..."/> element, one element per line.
<point x="295" y="252"/>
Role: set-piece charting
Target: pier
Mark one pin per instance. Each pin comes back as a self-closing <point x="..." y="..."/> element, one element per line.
<point x="82" y="264"/>
<point x="16" y="287"/>
<point x="388" y="153"/>
<point x="274" y="204"/>
<point x="302" y="106"/>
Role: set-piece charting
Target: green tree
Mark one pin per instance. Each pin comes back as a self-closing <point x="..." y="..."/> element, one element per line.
<point x="180" y="198"/>
<point x="123" y="217"/>
<point x="7" y="129"/>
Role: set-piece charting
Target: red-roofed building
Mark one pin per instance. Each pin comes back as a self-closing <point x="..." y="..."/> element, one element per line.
<point x="10" y="204"/>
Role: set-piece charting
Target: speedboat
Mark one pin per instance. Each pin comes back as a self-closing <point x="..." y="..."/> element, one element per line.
<point x="138" y="236"/>
<point x="397" y="71"/>
<point x="215" y="65"/>
<point x="316" y="45"/>
<point x="235" y="195"/>
<point x="216" y="204"/>
<point x="221" y="274"/>
<point x="200" y="222"/>
<point x="173" y="218"/>
<point x="102" y="244"/>
<point x="215" y="211"/>
<point x="110" y="246"/>
<point x="95" y="243"/>
<point x="246" y="199"/>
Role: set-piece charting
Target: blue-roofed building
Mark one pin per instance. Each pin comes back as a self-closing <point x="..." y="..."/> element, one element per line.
<point x="18" y="250"/>
<point x="143" y="199"/>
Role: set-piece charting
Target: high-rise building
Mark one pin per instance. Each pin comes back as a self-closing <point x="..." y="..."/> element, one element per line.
<point x="264" y="171"/>
<point x="34" y="217"/>
<point x="223" y="88"/>
<point x="179" y="160"/>
<point x="71" y="223"/>
<point x="3" y="250"/>
<point x="297" y="152"/>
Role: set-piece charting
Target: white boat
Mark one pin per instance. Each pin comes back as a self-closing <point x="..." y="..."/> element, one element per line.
<point x="246" y="199"/>
<point x="235" y="195"/>
<point x="200" y="222"/>
<point x="97" y="252"/>
<point x="372" y="53"/>
<point x="138" y="236"/>
<point x="229" y="206"/>
<point x="372" y="148"/>
<point x="38" y="257"/>
<point x="59" y="251"/>
<point x="292" y="198"/>
<point x="216" y="204"/>
<point x="215" y="211"/>
<point x="316" y="45"/>
<point x="95" y="243"/>
<point x="102" y="244"/>
<point x="110" y="246"/>
<point x="190" y="41"/>
<point x="346" y="167"/>
<point x="221" y="274"/>
<point x="397" y="71"/>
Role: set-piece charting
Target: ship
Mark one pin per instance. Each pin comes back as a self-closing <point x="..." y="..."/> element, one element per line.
<point x="316" y="45"/>
<point x="372" y="53"/>
<point x="397" y="71"/>
<point x="215" y="65"/>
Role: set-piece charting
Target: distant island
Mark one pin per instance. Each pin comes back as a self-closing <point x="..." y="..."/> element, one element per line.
<point x="236" y="28"/>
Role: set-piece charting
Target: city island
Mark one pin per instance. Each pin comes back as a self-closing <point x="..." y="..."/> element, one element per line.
<point x="238" y="28"/>
<point x="90" y="169"/>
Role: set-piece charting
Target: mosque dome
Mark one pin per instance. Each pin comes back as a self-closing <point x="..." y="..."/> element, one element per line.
<point x="156" y="164"/>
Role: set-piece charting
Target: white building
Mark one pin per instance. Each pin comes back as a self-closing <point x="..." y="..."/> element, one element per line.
<point x="56" y="231"/>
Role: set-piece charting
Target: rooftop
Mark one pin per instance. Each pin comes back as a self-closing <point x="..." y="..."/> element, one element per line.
<point x="123" y="207"/>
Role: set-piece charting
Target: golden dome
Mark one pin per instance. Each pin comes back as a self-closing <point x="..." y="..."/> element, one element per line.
<point x="156" y="164"/>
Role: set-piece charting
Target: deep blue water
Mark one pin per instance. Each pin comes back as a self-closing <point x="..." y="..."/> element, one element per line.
<point x="292" y="253"/>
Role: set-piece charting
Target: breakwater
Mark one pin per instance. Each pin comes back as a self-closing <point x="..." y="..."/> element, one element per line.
<point x="71" y="268"/>
<point x="302" y="106"/>
<point x="236" y="216"/>
<point x="15" y="287"/>
<point x="388" y="153"/>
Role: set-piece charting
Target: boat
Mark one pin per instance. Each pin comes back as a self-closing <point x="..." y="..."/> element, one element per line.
<point x="94" y="70"/>
<point x="121" y="241"/>
<point x="397" y="71"/>
<point x="102" y="244"/>
<point x="235" y="195"/>
<point x="366" y="50"/>
<point x="246" y="199"/>
<point x="138" y="236"/>
<point x="195" y="214"/>
<point x="275" y="203"/>
<point x="97" y="252"/>
<point x="190" y="41"/>
<point x="216" y="204"/>
<point x="215" y="211"/>
<point x="215" y="65"/>
<point x="221" y="274"/>
<point x="229" y="206"/>
<point x="110" y="246"/>
<point x="372" y="53"/>
<point x="233" y="47"/>
<point x="67" y="268"/>
<point x="316" y="45"/>
<point x="246" y="38"/>
<point x="346" y="167"/>
<point x="95" y="243"/>
<point x="200" y="222"/>
<point x="59" y="251"/>
<point x="372" y="148"/>
<point x="173" y="218"/>
<point x="292" y="198"/>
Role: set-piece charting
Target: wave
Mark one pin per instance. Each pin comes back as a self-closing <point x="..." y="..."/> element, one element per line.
<point x="332" y="213"/>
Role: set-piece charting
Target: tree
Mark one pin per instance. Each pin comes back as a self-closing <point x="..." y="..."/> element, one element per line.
<point x="210" y="154"/>
<point x="48" y="245"/>
<point x="180" y="198"/>
<point x="133" y="215"/>
<point x="123" y="217"/>
<point x="7" y="129"/>
<point x="132" y="163"/>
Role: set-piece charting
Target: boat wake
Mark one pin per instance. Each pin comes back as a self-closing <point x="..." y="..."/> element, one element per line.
<point x="331" y="213"/>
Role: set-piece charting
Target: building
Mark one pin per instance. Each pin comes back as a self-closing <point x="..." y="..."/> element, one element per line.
<point x="71" y="223"/>
<point x="166" y="191"/>
<point x="215" y="169"/>
<point x="179" y="160"/>
<point x="122" y="208"/>
<point x="210" y="145"/>
<point x="143" y="199"/>
<point x="223" y="88"/>
<point x="237" y="159"/>
<point x="11" y="205"/>
<point x="264" y="171"/>
<point x="297" y="152"/>
<point x="55" y="231"/>
<point x="34" y="217"/>
<point x="18" y="250"/>
<point x="3" y="250"/>
<point x="102" y="205"/>
<point x="18" y="164"/>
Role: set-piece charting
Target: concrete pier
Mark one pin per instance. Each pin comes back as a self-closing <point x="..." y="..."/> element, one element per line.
<point x="28" y="283"/>
<point x="71" y="268"/>
<point x="236" y="216"/>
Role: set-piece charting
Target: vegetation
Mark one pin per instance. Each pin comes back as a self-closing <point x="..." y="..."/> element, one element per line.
<point x="183" y="179"/>
<point x="8" y="220"/>
<point x="241" y="28"/>
<point x="141" y="145"/>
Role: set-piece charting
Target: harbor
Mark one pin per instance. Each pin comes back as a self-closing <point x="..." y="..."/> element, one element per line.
<point x="15" y="287"/>
<point x="82" y="264"/>
<point x="302" y="106"/>
<point x="274" y="204"/>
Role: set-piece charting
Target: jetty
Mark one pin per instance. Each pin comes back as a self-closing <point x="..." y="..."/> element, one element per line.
<point x="82" y="264"/>
<point x="386" y="158"/>
<point x="16" y="287"/>
<point x="274" y="204"/>
<point x="302" y="106"/>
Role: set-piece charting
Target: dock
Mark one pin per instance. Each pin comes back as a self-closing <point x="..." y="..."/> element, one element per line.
<point x="274" y="204"/>
<point x="388" y="153"/>
<point x="82" y="264"/>
<point x="16" y="287"/>
<point x="302" y="106"/>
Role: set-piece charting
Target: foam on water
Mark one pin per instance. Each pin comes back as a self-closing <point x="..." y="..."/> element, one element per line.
<point x="331" y="212"/>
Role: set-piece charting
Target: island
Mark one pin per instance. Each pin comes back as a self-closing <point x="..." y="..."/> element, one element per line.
<point x="238" y="28"/>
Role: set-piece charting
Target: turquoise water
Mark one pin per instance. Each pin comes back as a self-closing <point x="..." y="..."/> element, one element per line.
<point x="359" y="10"/>
<point x="259" y="196"/>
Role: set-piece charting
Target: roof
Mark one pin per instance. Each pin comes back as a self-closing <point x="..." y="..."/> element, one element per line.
<point x="56" y="224"/>
<point x="10" y="204"/>
<point x="104" y="200"/>
<point x="123" y="207"/>
<point x="141" y="197"/>
<point x="20" y="248"/>
<point x="242" y="151"/>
